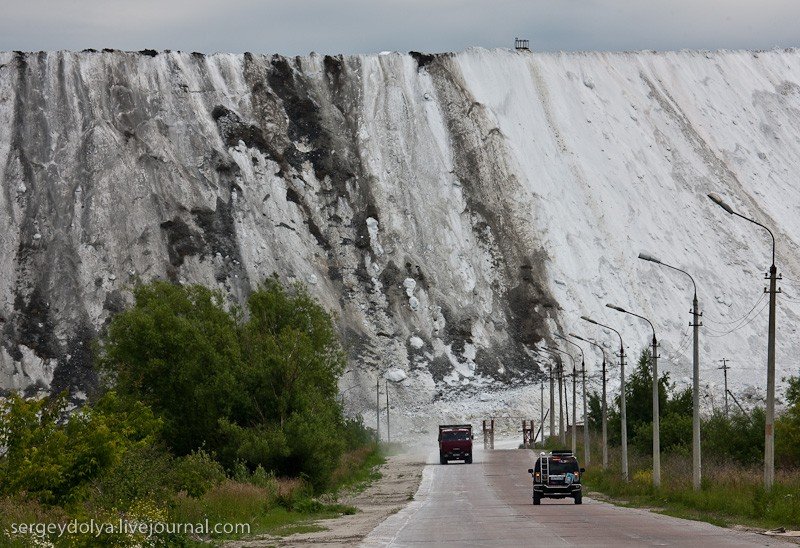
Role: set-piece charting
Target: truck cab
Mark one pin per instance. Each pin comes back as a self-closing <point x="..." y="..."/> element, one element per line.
<point x="556" y="475"/>
<point x="455" y="443"/>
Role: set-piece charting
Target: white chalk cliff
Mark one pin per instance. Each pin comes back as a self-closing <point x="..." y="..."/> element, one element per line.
<point x="453" y="210"/>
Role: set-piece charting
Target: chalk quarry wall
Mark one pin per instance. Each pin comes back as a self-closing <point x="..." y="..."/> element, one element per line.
<point x="453" y="210"/>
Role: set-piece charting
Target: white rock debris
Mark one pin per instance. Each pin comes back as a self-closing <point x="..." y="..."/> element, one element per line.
<point x="396" y="375"/>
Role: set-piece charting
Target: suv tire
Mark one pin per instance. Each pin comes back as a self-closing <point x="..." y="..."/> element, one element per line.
<point x="579" y="499"/>
<point x="468" y="460"/>
<point x="442" y="460"/>
<point x="537" y="499"/>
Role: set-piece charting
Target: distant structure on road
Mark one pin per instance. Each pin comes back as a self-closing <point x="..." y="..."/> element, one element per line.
<point x="521" y="44"/>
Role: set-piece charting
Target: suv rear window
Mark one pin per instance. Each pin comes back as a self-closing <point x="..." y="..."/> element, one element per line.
<point x="560" y="466"/>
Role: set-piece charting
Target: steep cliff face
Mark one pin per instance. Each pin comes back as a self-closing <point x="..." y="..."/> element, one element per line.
<point x="453" y="210"/>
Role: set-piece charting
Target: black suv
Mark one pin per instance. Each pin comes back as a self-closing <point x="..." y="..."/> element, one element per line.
<point x="556" y="476"/>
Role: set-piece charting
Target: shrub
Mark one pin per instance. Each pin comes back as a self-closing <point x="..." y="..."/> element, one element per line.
<point x="739" y="437"/>
<point x="146" y="473"/>
<point x="53" y="455"/>
<point x="197" y="472"/>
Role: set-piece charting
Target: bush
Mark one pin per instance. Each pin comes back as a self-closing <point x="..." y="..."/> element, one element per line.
<point x="197" y="472"/>
<point x="53" y="456"/>
<point x="146" y="473"/>
<point x="739" y="437"/>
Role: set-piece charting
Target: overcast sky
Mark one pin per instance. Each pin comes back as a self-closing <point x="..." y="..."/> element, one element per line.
<point x="363" y="26"/>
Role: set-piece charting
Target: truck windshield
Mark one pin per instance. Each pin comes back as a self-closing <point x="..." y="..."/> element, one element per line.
<point x="455" y="436"/>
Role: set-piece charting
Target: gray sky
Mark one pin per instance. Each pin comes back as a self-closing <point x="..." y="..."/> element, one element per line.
<point x="361" y="26"/>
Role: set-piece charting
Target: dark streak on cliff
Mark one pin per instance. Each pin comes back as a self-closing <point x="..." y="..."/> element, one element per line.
<point x="480" y="166"/>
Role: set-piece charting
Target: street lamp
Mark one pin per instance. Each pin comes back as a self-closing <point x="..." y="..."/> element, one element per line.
<point x="604" y="413"/>
<point x="769" y="422"/>
<point x="562" y="431"/>
<point x="552" y="396"/>
<point x="574" y="412"/>
<point x="695" y="324"/>
<point x="622" y="409"/>
<point x="541" y="423"/>
<point x="656" y="429"/>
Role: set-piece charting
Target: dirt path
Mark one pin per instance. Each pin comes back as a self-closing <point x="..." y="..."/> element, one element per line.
<point x="400" y="478"/>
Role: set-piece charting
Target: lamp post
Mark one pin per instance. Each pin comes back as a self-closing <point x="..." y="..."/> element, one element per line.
<point x="695" y="324"/>
<point x="541" y="423"/>
<point x="604" y="413"/>
<point x="769" y="422"/>
<point x="656" y="428"/>
<point x="574" y="414"/>
<point x="378" y="410"/>
<point x="622" y="410"/>
<point x="562" y="431"/>
<point x="552" y="395"/>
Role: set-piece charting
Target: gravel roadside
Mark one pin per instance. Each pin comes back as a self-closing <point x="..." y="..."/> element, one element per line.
<point x="400" y="478"/>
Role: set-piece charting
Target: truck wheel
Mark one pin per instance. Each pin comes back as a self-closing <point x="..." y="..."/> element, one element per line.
<point x="442" y="460"/>
<point x="579" y="499"/>
<point x="468" y="460"/>
<point x="537" y="499"/>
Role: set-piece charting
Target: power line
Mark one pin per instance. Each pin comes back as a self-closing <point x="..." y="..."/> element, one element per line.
<point x="718" y="334"/>
<point x="725" y="322"/>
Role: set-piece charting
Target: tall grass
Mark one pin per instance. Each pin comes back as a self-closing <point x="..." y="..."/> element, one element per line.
<point x="730" y="493"/>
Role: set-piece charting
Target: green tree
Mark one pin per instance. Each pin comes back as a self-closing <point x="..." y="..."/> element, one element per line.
<point x="177" y="351"/>
<point x="54" y="455"/>
<point x="595" y="412"/>
<point x="293" y="360"/>
<point x="787" y="427"/>
<point x="639" y="405"/>
<point x="260" y="391"/>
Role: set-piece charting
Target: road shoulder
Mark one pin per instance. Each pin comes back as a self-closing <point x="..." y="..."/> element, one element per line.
<point x="400" y="478"/>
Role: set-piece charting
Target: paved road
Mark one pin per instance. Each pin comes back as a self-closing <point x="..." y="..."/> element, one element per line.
<point x="488" y="503"/>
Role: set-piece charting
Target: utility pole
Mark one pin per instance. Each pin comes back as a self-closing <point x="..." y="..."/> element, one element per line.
<point x="566" y="410"/>
<point x="574" y="413"/>
<point x="559" y="374"/>
<point x="695" y="324"/>
<point x="622" y="406"/>
<point x="561" y="432"/>
<point x="378" y="409"/>
<point x="586" y="455"/>
<point x="552" y="403"/>
<point x="388" y="432"/>
<point x="560" y="386"/>
<point x="541" y="408"/>
<point x="725" y="372"/>
<point x="769" y="426"/>
<point x="574" y="402"/>
<point x="656" y="418"/>
<point x="604" y="416"/>
<point x="769" y="419"/>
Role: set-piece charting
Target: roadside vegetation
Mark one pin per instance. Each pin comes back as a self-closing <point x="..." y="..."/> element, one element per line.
<point x="207" y="413"/>
<point x="732" y="449"/>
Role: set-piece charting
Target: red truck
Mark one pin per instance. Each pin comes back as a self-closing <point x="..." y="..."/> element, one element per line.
<point x="455" y="443"/>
